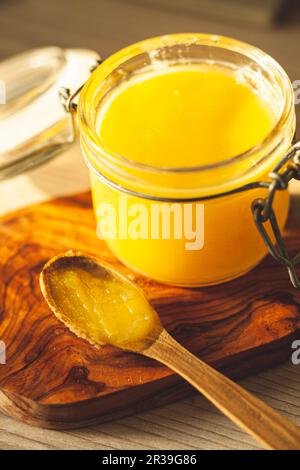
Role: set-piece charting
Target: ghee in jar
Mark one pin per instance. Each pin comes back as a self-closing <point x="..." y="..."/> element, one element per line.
<point x="180" y="131"/>
<point x="184" y="115"/>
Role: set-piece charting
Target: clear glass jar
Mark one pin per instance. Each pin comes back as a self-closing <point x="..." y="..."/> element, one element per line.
<point x="230" y="243"/>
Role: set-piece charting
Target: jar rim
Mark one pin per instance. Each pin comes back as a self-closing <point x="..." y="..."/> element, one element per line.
<point x="151" y="44"/>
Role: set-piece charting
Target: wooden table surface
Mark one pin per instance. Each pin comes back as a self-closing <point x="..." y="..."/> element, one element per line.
<point x="106" y="26"/>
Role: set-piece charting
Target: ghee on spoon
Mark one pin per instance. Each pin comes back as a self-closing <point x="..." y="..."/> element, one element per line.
<point x="102" y="306"/>
<point x="98" y="303"/>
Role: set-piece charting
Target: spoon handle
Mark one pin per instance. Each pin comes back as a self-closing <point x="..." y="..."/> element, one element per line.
<point x="247" y="411"/>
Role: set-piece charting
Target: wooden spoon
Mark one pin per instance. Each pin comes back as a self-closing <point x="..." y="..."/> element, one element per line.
<point x="85" y="294"/>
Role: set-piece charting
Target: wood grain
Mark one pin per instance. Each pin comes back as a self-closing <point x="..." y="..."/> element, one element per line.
<point x="56" y="380"/>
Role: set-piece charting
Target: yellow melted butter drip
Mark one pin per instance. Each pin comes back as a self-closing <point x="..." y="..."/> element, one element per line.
<point x="103" y="309"/>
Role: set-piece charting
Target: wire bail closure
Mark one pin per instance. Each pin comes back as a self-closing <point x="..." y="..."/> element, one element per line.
<point x="67" y="100"/>
<point x="286" y="170"/>
<point x="67" y="97"/>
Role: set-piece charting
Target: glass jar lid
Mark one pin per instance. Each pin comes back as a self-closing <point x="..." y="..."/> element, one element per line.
<point x="34" y="126"/>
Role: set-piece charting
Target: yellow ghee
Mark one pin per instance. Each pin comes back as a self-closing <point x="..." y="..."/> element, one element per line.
<point x="183" y="116"/>
<point x="102" y="308"/>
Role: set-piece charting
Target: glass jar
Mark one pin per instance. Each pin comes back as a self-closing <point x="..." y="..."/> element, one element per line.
<point x="222" y="194"/>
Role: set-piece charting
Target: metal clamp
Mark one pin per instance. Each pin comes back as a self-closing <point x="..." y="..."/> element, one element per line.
<point x="67" y="97"/>
<point x="286" y="170"/>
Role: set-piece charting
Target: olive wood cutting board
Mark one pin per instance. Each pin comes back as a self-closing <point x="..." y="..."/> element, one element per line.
<point x="55" y="380"/>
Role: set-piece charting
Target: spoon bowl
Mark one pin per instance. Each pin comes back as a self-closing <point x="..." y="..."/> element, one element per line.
<point x="98" y="303"/>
